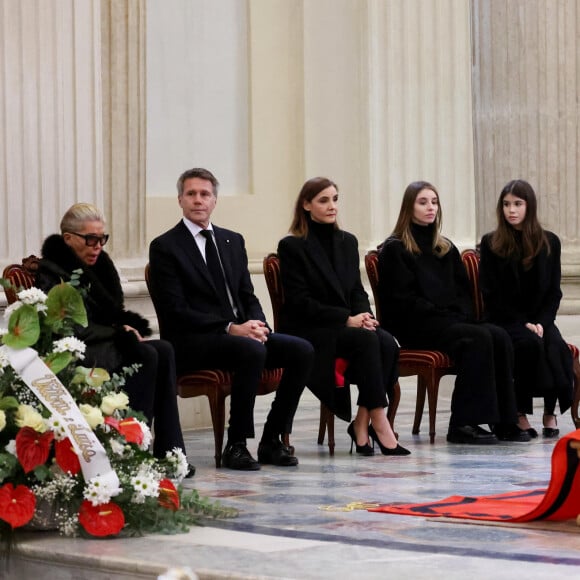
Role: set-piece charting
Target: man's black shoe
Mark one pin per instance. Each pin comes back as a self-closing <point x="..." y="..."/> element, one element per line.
<point x="276" y="453"/>
<point x="511" y="433"/>
<point x="237" y="456"/>
<point x="470" y="435"/>
<point x="190" y="471"/>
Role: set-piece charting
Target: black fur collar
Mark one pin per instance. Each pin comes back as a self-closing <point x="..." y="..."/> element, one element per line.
<point x="102" y="278"/>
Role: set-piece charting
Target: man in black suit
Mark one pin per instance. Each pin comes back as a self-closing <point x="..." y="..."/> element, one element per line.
<point x="208" y="310"/>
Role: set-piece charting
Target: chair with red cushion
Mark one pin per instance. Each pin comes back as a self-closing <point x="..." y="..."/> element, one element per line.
<point x="470" y="259"/>
<point x="272" y="275"/>
<point x="429" y="366"/>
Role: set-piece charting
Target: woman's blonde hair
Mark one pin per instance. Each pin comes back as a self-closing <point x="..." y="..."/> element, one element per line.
<point x="77" y="215"/>
<point x="402" y="229"/>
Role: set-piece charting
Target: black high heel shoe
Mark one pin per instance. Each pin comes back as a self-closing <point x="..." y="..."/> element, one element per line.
<point x="398" y="450"/>
<point x="551" y="432"/>
<point x="530" y="430"/>
<point x="365" y="449"/>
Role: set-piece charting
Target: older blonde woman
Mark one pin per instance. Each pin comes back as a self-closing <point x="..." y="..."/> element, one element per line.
<point x="115" y="337"/>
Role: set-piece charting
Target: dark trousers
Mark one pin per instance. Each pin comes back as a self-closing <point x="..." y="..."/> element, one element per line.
<point x="152" y="391"/>
<point x="246" y="358"/>
<point x="484" y="389"/>
<point x="543" y="367"/>
<point x="372" y="363"/>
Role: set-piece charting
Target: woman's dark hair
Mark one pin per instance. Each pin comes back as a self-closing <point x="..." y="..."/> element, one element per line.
<point x="504" y="240"/>
<point x="402" y="229"/>
<point x="309" y="191"/>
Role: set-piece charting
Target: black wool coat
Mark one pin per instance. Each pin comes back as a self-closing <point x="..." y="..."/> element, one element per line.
<point x="505" y="297"/>
<point x="317" y="303"/>
<point x="421" y="295"/>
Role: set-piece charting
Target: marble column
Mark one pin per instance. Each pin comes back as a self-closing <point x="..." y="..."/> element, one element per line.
<point x="387" y="101"/>
<point x="72" y="118"/>
<point x="50" y="118"/>
<point x="123" y="30"/>
<point x="526" y="87"/>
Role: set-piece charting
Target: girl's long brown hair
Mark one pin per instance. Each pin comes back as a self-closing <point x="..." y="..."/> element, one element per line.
<point x="504" y="242"/>
<point x="402" y="229"/>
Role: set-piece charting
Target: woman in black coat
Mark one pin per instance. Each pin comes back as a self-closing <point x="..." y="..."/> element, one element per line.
<point x="114" y="336"/>
<point x="520" y="281"/>
<point x="326" y="304"/>
<point x="425" y="302"/>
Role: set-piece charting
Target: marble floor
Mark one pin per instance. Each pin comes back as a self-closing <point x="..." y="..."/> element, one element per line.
<point x="311" y="522"/>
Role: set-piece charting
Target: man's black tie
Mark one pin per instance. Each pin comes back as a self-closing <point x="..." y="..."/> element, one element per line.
<point x="213" y="264"/>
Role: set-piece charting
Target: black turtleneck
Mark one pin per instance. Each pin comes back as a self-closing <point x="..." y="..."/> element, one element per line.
<point x="423" y="236"/>
<point x="324" y="233"/>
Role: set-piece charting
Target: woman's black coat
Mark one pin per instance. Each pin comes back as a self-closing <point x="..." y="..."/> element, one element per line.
<point x="513" y="298"/>
<point x="421" y="295"/>
<point x="318" y="302"/>
<point x="503" y="295"/>
<point x="108" y="344"/>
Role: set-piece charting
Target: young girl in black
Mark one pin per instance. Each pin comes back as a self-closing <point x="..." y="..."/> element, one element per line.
<point x="520" y="281"/>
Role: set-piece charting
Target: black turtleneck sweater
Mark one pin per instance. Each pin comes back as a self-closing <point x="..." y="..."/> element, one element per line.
<point x="421" y="294"/>
<point x="324" y="233"/>
<point x="423" y="237"/>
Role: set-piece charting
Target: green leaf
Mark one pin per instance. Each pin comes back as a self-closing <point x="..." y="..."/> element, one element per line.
<point x="42" y="473"/>
<point x="8" y="465"/>
<point x="23" y="328"/>
<point x="8" y="403"/>
<point x="56" y="361"/>
<point x="63" y="302"/>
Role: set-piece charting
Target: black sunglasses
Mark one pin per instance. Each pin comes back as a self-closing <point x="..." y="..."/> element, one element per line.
<point x="92" y="240"/>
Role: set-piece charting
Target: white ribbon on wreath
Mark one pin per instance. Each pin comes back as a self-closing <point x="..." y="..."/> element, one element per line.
<point x="56" y="398"/>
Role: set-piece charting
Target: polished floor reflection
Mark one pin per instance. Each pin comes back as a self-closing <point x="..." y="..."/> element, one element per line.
<point x="311" y="521"/>
<point x="325" y="498"/>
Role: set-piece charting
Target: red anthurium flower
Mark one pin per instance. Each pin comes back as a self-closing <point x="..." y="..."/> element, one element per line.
<point x="66" y="457"/>
<point x="129" y="428"/>
<point x="16" y="504"/>
<point x="101" y="520"/>
<point x="32" y="447"/>
<point x="168" y="496"/>
<point x="109" y="420"/>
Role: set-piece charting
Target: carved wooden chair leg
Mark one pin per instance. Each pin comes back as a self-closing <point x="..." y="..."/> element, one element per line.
<point x="432" y="394"/>
<point x="330" y="428"/>
<point x="420" y="403"/>
<point x="218" y="419"/>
